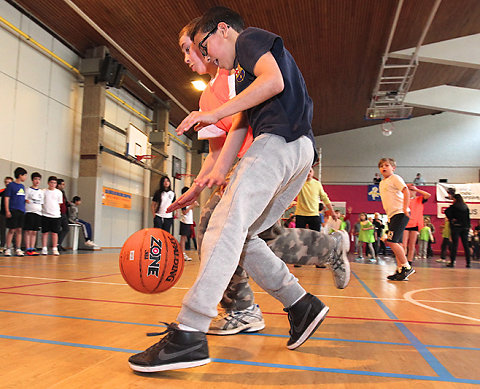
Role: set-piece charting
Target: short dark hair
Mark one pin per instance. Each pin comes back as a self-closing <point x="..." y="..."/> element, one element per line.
<point x="35" y="175"/>
<point x="60" y="181"/>
<point x="184" y="189"/>
<point x="215" y="15"/>
<point x="75" y="199"/>
<point x="8" y="178"/>
<point x="19" y="171"/>
<point x="52" y="178"/>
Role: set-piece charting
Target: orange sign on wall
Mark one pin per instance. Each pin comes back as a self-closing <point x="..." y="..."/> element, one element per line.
<point x="116" y="198"/>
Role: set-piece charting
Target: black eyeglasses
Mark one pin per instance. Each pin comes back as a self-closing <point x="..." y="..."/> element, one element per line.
<point x="201" y="46"/>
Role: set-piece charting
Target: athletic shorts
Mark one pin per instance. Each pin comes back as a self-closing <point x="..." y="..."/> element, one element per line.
<point x="411" y="229"/>
<point x="185" y="229"/>
<point x="396" y="226"/>
<point x="51" y="224"/>
<point x="33" y="221"/>
<point x="16" y="221"/>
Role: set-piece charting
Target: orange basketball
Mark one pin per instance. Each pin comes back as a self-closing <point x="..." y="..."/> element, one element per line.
<point x="151" y="260"/>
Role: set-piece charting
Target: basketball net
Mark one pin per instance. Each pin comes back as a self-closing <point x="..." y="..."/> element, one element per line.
<point x="387" y="127"/>
<point x="142" y="157"/>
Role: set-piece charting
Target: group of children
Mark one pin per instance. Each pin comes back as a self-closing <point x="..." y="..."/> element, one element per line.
<point x="29" y="210"/>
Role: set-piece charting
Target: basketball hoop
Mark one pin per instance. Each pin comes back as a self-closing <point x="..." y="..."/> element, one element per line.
<point x="147" y="156"/>
<point x="179" y="176"/>
<point x="387" y="127"/>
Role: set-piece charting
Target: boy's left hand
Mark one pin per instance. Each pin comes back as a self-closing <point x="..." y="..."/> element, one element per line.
<point x="214" y="178"/>
<point x="202" y="118"/>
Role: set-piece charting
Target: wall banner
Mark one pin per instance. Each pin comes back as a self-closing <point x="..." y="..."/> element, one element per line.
<point x="469" y="192"/>
<point x="373" y="193"/>
<point x="474" y="210"/>
<point x="116" y="198"/>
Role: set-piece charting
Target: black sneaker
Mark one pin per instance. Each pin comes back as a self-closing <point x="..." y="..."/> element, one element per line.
<point x="401" y="275"/>
<point x="177" y="350"/>
<point x="304" y="316"/>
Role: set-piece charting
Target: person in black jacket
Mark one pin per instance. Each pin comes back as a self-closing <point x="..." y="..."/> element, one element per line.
<point x="458" y="215"/>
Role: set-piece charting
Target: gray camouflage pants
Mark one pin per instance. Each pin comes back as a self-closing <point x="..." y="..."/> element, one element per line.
<point x="292" y="245"/>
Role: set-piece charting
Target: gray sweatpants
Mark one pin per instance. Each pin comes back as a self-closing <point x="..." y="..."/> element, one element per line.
<point x="263" y="185"/>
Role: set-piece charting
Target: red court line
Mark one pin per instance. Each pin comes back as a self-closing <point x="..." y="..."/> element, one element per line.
<point x="265" y="313"/>
<point x="58" y="282"/>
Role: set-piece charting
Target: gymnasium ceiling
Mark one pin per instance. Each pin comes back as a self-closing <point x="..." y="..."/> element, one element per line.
<point x="338" y="44"/>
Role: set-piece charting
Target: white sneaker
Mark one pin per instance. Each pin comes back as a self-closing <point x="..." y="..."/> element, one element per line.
<point x="186" y="257"/>
<point x="89" y="243"/>
<point x="44" y="251"/>
<point x="19" y="253"/>
<point x="7" y="252"/>
<point x="230" y="323"/>
<point x="55" y="251"/>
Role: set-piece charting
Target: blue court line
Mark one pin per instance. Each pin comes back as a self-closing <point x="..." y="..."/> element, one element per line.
<point x="419" y="346"/>
<point x="243" y="333"/>
<point x="262" y="364"/>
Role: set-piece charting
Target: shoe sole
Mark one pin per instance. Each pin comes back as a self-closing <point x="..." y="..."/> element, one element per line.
<point x="251" y="327"/>
<point x="310" y="329"/>
<point x="170" y="366"/>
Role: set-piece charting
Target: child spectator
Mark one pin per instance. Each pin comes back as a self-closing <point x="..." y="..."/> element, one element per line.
<point x="476" y="244"/>
<point x="395" y="200"/>
<point x="64" y="228"/>
<point x="33" y="213"/>
<point x="186" y="222"/>
<point x="291" y="223"/>
<point x="163" y="197"/>
<point x="51" y="215"/>
<point x="424" y="237"/>
<point x="7" y="180"/>
<point x="73" y="218"/>
<point x="355" y="232"/>
<point x="15" y="211"/>
<point x="415" y="224"/>
<point x="446" y="241"/>
<point x="379" y="243"/>
<point x="366" y="235"/>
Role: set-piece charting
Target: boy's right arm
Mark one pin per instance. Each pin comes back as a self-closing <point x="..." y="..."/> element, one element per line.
<point x="267" y="84"/>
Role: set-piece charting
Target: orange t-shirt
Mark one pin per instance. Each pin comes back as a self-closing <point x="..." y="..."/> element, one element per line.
<point x="217" y="93"/>
<point x="416" y="213"/>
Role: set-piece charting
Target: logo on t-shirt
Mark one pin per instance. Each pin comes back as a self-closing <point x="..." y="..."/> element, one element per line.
<point x="239" y="74"/>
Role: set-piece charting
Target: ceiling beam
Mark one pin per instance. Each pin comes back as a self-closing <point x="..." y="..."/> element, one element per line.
<point x="446" y="98"/>
<point x="463" y="51"/>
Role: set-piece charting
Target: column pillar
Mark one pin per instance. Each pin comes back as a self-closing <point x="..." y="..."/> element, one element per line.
<point x="90" y="182"/>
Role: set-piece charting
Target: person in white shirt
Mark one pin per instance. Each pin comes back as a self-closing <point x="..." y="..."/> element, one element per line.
<point x="51" y="215"/>
<point x="162" y="199"/>
<point x="395" y="200"/>
<point x="186" y="222"/>
<point x="33" y="213"/>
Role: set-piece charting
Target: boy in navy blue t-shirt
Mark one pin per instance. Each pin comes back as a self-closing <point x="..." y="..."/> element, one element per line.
<point x="15" y="211"/>
<point x="273" y="99"/>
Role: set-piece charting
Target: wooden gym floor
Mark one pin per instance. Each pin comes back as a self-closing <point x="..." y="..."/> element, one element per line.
<point x="71" y="322"/>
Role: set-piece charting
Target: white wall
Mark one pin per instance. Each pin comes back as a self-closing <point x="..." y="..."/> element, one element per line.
<point x="40" y="102"/>
<point x="446" y="145"/>
<point x="40" y="125"/>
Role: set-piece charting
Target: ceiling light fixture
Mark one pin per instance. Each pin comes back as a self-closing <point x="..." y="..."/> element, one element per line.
<point x="199" y="85"/>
